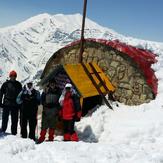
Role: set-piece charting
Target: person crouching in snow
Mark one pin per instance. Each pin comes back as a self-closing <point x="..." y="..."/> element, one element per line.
<point x="70" y="112"/>
<point x="30" y="99"/>
<point x="50" y="102"/>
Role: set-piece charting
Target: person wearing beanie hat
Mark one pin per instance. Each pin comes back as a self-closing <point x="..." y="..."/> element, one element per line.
<point x="8" y="94"/>
<point x="70" y="112"/>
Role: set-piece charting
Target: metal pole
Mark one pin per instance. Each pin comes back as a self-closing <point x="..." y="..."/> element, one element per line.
<point x="82" y="33"/>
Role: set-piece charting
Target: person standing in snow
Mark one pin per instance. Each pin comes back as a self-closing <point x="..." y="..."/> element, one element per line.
<point x="70" y="112"/>
<point x="9" y="92"/>
<point x="30" y="99"/>
<point x="50" y="102"/>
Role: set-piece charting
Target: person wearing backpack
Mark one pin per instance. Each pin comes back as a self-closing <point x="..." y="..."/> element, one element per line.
<point x="50" y="102"/>
<point x="8" y="94"/>
<point x="30" y="99"/>
<point x="70" y="112"/>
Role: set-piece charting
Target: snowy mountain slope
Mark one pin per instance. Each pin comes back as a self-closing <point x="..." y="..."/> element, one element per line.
<point x="27" y="46"/>
<point x="125" y="135"/>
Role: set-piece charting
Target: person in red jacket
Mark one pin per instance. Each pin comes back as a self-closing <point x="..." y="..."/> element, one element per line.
<point x="70" y="112"/>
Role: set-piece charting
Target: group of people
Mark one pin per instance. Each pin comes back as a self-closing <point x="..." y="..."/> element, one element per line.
<point x="23" y="102"/>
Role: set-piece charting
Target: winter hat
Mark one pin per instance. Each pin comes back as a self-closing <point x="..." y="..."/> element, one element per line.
<point x="68" y="85"/>
<point x="13" y="73"/>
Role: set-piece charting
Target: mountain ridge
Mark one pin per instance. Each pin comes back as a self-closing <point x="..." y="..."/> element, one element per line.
<point x="27" y="46"/>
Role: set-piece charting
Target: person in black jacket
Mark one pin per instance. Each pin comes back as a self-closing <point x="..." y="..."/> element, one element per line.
<point x="8" y="94"/>
<point x="30" y="99"/>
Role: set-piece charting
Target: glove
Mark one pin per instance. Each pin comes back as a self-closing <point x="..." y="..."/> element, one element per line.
<point x="78" y="116"/>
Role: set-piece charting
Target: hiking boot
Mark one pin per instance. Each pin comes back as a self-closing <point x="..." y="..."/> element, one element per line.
<point x="74" y="137"/>
<point x="67" y="137"/>
<point x="51" y="134"/>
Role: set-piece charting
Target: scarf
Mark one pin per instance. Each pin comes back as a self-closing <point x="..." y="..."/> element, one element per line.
<point x="29" y="91"/>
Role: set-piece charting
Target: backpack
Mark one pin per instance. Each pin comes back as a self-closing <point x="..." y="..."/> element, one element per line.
<point x="51" y="99"/>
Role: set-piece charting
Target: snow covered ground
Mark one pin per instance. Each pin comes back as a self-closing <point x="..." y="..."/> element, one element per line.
<point x="125" y="135"/>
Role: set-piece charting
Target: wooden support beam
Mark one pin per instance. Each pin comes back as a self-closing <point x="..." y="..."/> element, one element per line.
<point x="82" y="33"/>
<point x="96" y="86"/>
<point x="98" y="77"/>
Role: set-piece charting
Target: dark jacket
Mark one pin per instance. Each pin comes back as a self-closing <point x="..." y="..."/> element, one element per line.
<point x="50" y="99"/>
<point x="30" y="102"/>
<point x="10" y="90"/>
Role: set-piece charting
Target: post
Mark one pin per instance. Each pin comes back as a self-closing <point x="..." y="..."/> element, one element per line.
<point x="82" y="33"/>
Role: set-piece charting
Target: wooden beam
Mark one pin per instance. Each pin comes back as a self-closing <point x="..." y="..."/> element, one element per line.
<point x="82" y="33"/>
<point x="96" y="86"/>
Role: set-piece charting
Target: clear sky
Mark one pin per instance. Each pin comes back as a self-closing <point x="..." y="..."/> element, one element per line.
<point x="137" y="18"/>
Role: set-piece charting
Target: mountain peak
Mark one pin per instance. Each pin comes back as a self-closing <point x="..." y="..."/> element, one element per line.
<point x="33" y="41"/>
<point x="34" y="20"/>
<point x="38" y="18"/>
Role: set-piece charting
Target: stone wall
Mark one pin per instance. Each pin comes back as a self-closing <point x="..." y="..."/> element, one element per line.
<point x="126" y="76"/>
